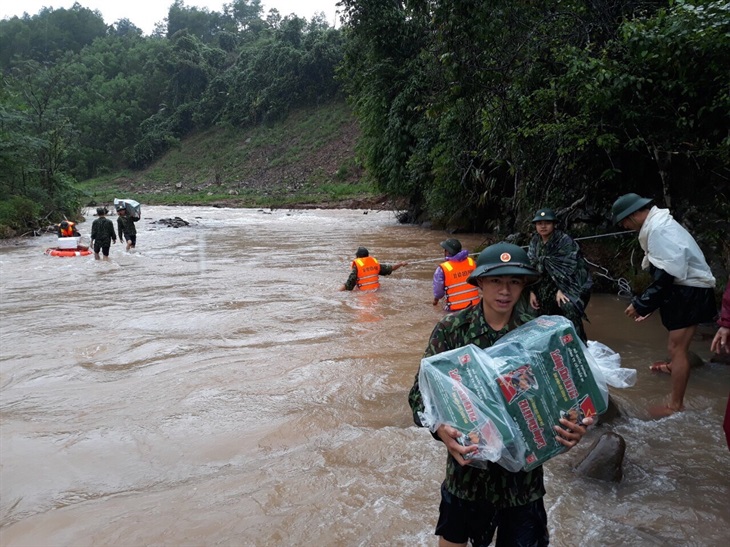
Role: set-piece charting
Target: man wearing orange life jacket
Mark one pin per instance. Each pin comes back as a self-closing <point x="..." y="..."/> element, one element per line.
<point x="67" y="229"/>
<point x="366" y="270"/>
<point x="450" y="277"/>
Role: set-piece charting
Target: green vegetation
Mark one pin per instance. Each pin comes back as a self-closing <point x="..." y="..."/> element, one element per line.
<point x="471" y="113"/>
<point x="80" y="101"/>
<point x="300" y="160"/>
<point x="481" y="112"/>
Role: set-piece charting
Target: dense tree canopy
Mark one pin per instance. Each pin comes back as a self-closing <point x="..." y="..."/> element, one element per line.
<point x="480" y="112"/>
<point x="475" y="112"/>
<point x="80" y="98"/>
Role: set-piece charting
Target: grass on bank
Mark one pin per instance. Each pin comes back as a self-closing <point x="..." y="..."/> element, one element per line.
<point x="307" y="158"/>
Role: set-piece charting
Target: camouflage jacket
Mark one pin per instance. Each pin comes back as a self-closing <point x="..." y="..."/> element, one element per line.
<point x="351" y="283"/>
<point x="561" y="263"/>
<point x="102" y="231"/>
<point x="495" y="484"/>
<point x="125" y="225"/>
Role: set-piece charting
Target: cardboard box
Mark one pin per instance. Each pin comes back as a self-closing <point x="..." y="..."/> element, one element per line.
<point x="68" y="242"/>
<point x="523" y="385"/>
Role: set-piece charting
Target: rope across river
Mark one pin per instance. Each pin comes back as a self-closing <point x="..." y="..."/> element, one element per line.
<point x="624" y="287"/>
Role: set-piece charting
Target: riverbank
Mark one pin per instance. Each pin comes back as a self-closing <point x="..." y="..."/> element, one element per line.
<point x="308" y="160"/>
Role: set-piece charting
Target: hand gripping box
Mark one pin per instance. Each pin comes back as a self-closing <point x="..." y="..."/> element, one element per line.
<point x="508" y="397"/>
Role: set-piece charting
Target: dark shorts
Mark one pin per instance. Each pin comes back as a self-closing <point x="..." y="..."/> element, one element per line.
<point x="132" y="238"/>
<point x="103" y="248"/>
<point x="522" y="526"/>
<point x="688" y="306"/>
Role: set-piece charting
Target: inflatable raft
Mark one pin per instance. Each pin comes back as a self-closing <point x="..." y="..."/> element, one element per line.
<point x="69" y="246"/>
<point x="78" y="251"/>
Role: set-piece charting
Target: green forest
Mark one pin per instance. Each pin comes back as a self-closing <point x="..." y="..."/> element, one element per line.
<point x="471" y="113"/>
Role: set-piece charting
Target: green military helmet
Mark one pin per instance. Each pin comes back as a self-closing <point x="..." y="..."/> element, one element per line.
<point x="545" y="214"/>
<point x="453" y="246"/>
<point x="361" y="252"/>
<point x="503" y="259"/>
<point x="627" y="204"/>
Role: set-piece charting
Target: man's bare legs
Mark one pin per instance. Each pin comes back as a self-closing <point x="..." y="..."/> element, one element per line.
<point x="678" y="347"/>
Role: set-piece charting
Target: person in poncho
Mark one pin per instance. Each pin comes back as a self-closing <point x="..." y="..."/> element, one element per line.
<point x="565" y="282"/>
<point x="682" y="286"/>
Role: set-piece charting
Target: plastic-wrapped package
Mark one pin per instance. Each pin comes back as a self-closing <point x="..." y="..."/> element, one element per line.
<point x="133" y="208"/>
<point x="507" y="398"/>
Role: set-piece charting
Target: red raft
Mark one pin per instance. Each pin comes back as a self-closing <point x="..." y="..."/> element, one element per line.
<point x="81" y="250"/>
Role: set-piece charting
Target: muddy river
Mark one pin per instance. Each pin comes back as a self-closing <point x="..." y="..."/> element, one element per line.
<point x="213" y="387"/>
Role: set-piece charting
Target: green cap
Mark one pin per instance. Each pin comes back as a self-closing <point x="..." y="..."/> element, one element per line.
<point x="627" y="204"/>
<point x="453" y="246"/>
<point x="545" y="214"/>
<point x="503" y="259"/>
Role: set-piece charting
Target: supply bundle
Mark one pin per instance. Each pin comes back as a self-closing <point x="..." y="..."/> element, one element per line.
<point x="507" y="398"/>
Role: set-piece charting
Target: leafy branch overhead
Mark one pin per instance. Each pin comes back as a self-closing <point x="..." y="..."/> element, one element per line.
<point x="481" y="112"/>
<point x="471" y="113"/>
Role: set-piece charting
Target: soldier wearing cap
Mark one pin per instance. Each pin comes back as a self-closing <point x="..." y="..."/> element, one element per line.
<point x="682" y="286"/>
<point x="365" y="271"/>
<point x="565" y="283"/>
<point x="476" y="502"/>
<point x="125" y="226"/>
<point x="102" y="234"/>
<point x="450" y="278"/>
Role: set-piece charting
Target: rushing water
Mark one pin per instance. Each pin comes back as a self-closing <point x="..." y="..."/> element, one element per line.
<point x="213" y="387"/>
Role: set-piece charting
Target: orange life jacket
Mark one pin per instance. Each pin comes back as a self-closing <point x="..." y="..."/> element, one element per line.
<point x="368" y="270"/>
<point x="68" y="232"/>
<point x="459" y="293"/>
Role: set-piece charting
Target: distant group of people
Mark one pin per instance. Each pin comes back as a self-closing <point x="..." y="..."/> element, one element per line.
<point x="478" y="503"/>
<point x="103" y="234"/>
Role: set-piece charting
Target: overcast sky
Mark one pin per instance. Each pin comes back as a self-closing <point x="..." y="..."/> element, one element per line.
<point x="146" y="13"/>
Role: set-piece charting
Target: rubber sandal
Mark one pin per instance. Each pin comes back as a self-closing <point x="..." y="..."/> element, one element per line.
<point x="661" y="366"/>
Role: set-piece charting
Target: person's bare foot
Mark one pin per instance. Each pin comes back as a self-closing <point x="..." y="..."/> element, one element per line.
<point x="661" y="366"/>
<point x="662" y="411"/>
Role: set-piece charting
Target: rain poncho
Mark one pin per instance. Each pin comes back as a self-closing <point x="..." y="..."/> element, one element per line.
<point x="671" y="248"/>
<point x="562" y="267"/>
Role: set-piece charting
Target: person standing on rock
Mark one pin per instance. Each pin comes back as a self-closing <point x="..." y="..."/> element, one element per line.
<point x="102" y="234"/>
<point x="366" y="271"/>
<point x="125" y="226"/>
<point x="682" y="286"/>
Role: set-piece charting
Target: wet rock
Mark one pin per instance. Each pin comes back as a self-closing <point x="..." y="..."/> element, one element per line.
<point x="720" y="358"/>
<point x="605" y="459"/>
<point x="612" y="412"/>
<point x="695" y="360"/>
<point x="176" y="222"/>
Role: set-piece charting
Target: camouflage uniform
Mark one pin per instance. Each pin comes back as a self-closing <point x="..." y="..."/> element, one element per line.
<point x="125" y="226"/>
<point x="562" y="266"/>
<point x="102" y="232"/>
<point x="351" y="283"/>
<point x="494" y="484"/>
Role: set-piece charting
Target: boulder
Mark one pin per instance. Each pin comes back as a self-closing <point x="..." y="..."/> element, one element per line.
<point x="605" y="459"/>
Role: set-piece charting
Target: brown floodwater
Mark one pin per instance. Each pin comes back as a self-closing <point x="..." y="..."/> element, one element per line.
<point x="214" y="388"/>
